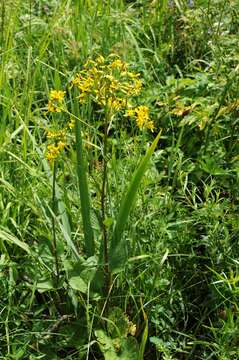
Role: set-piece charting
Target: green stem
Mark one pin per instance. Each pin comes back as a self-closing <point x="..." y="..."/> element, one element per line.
<point x="104" y="203"/>
<point x="54" y="210"/>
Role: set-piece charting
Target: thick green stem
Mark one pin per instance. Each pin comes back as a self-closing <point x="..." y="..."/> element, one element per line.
<point x="104" y="204"/>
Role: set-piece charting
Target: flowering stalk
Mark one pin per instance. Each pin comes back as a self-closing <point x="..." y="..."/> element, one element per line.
<point x="104" y="201"/>
<point x="110" y="85"/>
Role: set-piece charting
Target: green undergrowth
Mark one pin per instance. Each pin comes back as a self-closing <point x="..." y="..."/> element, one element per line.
<point x="126" y="245"/>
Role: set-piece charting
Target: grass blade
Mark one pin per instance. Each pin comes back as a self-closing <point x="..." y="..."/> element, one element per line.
<point x="5" y="236"/>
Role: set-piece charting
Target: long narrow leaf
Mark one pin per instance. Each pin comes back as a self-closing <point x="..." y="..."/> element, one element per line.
<point x="145" y="334"/>
<point x="143" y="341"/>
<point x="84" y="192"/>
<point x="117" y="253"/>
<point x="5" y="236"/>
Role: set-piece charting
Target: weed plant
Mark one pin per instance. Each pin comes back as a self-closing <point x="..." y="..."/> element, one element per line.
<point x="119" y="179"/>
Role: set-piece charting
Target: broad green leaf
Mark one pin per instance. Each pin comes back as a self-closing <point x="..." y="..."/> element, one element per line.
<point x="77" y="283"/>
<point x="89" y="269"/>
<point x="45" y="285"/>
<point x="118" y="254"/>
<point x="106" y="345"/>
<point x="117" y="348"/>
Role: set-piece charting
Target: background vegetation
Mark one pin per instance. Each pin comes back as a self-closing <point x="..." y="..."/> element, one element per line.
<point x="174" y="292"/>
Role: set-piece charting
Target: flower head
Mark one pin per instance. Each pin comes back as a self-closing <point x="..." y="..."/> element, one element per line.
<point x="55" y="103"/>
<point x="53" y="150"/>
<point x="107" y="82"/>
<point x="59" y="142"/>
<point x="141" y="116"/>
<point x="56" y="95"/>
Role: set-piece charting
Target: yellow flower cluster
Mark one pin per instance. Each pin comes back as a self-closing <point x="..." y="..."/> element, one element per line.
<point x="54" y="150"/>
<point x="141" y="115"/>
<point x="56" y="135"/>
<point x="55" y="103"/>
<point x="108" y="82"/>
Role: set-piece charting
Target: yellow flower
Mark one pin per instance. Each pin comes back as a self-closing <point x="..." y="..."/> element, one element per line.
<point x="137" y="86"/>
<point x="107" y="82"/>
<point x="118" y="64"/>
<point x="54" y="150"/>
<point x="130" y="113"/>
<point x="150" y="125"/>
<point x="55" y="101"/>
<point x="57" y="95"/>
<point x="57" y="135"/>
<point x="100" y="59"/>
<point x="50" y="157"/>
<point x="52" y="107"/>
<point x="141" y="115"/>
<point x="61" y="145"/>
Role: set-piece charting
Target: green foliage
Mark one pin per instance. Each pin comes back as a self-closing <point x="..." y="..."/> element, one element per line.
<point x="116" y="348"/>
<point x="117" y="345"/>
<point x="172" y="227"/>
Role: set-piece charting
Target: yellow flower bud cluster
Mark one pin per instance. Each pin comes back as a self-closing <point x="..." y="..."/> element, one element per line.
<point x="54" y="150"/>
<point x="141" y="116"/>
<point x="55" y="103"/>
<point x="108" y="82"/>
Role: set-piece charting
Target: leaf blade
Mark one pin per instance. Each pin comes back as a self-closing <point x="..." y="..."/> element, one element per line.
<point x="117" y="247"/>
